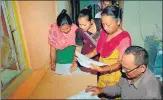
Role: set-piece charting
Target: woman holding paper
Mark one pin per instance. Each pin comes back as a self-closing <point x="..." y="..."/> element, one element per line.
<point x="91" y="30"/>
<point x="88" y="34"/>
<point x="111" y="45"/>
<point x="62" y="40"/>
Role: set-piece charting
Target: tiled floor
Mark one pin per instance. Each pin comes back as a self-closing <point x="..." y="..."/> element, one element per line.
<point x="45" y="84"/>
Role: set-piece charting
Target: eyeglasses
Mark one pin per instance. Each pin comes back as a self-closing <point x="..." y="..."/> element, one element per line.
<point x="124" y="71"/>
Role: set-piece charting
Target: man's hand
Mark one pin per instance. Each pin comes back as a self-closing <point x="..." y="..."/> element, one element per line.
<point x="96" y="68"/>
<point x="96" y="90"/>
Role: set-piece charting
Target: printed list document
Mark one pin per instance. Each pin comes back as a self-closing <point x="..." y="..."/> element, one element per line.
<point x="87" y="62"/>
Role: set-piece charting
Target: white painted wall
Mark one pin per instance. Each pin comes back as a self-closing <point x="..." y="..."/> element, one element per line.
<point x="141" y="16"/>
<point x="63" y="5"/>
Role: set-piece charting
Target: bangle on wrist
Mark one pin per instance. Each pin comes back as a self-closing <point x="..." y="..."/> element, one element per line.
<point x="110" y="69"/>
<point x="52" y="64"/>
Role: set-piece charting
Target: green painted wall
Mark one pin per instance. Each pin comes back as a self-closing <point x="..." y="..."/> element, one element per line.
<point x="85" y="3"/>
<point x="63" y="5"/>
<point x="141" y="17"/>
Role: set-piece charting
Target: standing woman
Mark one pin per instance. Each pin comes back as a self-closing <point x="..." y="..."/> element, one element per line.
<point x="91" y="27"/>
<point x="62" y="40"/>
<point x="88" y="34"/>
<point x="111" y="45"/>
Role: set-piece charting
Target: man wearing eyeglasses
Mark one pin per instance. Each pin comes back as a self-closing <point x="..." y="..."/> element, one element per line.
<point x="137" y="81"/>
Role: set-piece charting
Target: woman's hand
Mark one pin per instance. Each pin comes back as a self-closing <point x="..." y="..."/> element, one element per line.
<point x="53" y="58"/>
<point x="96" y="68"/>
<point x="92" y="54"/>
<point x="74" y="67"/>
<point x="53" y="66"/>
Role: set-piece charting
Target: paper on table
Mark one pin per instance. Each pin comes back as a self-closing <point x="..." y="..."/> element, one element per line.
<point x="84" y="95"/>
<point x="63" y="69"/>
<point x="87" y="62"/>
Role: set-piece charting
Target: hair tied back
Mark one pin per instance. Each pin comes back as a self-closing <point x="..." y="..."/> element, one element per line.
<point x="63" y="11"/>
<point x="89" y="8"/>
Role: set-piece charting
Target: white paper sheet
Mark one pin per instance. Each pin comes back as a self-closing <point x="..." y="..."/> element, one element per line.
<point x="84" y="95"/>
<point x="87" y="62"/>
<point x="63" y="69"/>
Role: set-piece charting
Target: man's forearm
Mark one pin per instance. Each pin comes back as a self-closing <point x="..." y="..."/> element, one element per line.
<point x="112" y="90"/>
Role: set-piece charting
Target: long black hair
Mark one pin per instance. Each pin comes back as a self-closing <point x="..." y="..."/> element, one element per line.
<point x="63" y="18"/>
<point x="114" y="11"/>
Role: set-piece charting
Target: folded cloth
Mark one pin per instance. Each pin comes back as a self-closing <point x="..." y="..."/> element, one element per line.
<point x="84" y="95"/>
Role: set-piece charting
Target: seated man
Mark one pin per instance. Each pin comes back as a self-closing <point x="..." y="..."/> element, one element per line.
<point x="138" y="82"/>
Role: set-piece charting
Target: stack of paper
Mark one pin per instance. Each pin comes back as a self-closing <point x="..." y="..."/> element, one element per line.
<point x="87" y="62"/>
